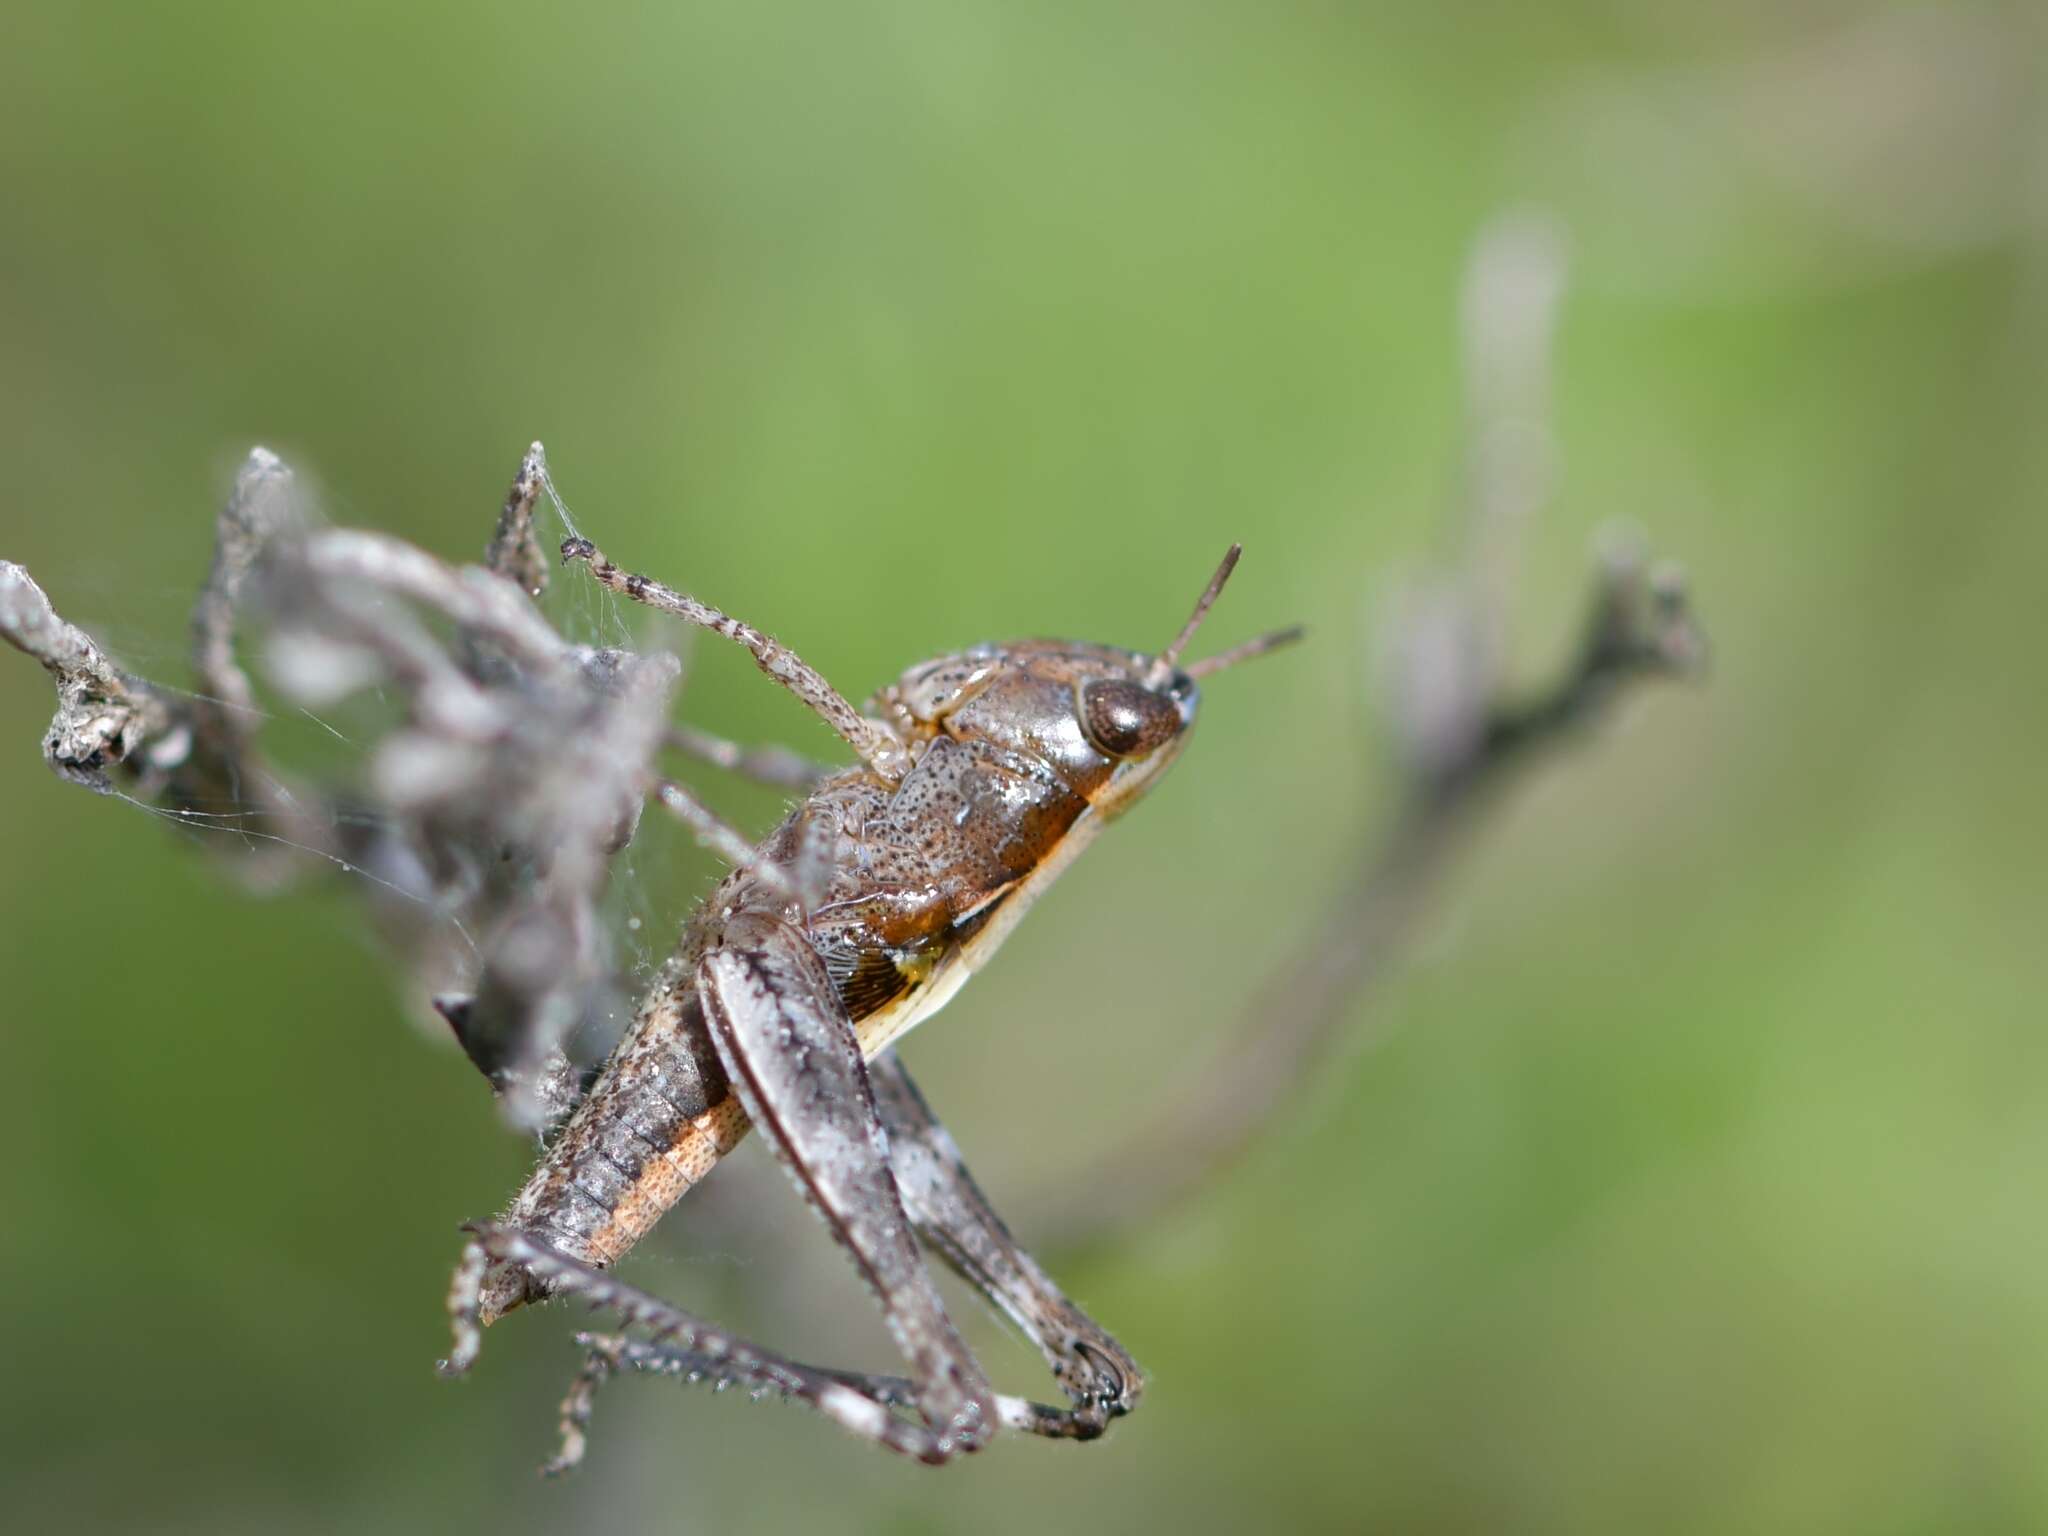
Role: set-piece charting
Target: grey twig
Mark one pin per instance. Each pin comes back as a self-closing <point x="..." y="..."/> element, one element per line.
<point x="488" y="815"/>
<point x="259" y="511"/>
<point x="191" y="752"/>
<point x="105" y="719"/>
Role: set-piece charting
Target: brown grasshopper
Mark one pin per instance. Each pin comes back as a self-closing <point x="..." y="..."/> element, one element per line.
<point x="981" y="775"/>
<point x="491" y="810"/>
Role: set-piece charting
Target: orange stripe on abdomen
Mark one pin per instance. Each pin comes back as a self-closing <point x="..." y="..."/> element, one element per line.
<point x="667" y="1176"/>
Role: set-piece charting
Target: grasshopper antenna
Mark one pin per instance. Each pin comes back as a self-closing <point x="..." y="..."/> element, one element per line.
<point x="1258" y="645"/>
<point x="1162" y="667"/>
<point x="1272" y="640"/>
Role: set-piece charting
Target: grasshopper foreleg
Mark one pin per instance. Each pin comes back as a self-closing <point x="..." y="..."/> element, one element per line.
<point x="874" y="743"/>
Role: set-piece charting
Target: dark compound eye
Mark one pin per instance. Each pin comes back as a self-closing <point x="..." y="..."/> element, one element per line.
<point x="1124" y="719"/>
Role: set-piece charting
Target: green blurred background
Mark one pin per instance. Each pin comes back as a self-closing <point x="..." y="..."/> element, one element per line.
<point x="1695" y="1180"/>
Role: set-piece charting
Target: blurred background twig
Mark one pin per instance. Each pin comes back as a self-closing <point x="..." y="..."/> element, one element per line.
<point x="1458" y="738"/>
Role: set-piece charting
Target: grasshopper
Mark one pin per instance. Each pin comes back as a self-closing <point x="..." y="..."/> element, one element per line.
<point x="981" y="775"/>
<point x="518" y="769"/>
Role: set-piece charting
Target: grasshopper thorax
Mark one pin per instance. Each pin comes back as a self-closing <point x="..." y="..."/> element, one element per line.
<point x="1017" y="755"/>
<point x="1096" y="718"/>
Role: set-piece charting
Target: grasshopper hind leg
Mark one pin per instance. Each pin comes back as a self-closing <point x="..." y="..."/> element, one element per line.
<point x="957" y="1222"/>
<point x="848" y="1397"/>
<point x="887" y="1410"/>
<point x="791" y="1054"/>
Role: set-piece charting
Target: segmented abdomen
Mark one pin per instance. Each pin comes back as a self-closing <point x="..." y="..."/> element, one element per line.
<point x="654" y="1123"/>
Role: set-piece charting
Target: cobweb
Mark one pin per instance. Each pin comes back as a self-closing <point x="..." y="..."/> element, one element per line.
<point x="469" y="746"/>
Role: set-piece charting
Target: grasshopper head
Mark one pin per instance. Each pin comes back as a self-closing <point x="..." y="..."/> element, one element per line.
<point x="1105" y="720"/>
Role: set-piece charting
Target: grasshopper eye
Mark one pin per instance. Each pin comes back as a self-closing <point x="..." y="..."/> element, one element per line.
<point x="1124" y="719"/>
